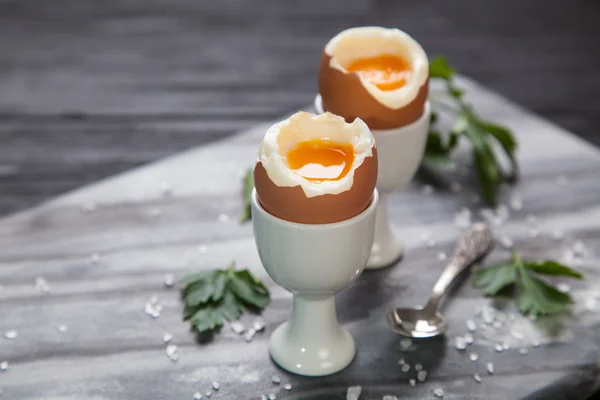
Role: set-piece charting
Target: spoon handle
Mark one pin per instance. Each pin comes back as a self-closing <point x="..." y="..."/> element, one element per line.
<point x="472" y="247"/>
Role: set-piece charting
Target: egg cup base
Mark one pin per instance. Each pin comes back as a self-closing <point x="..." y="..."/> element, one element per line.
<point x="328" y="349"/>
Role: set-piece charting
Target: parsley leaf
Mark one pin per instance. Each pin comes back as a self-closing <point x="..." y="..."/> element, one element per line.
<point x="538" y="297"/>
<point x="550" y="267"/>
<point x="214" y="315"/>
<point x="440" y="68"/>
<point x="248" y="182"/>
<point x="495" y="277"/>
<point x="481" y="133"/>
<point x="534" y="295"/>
<point x="213" y="297"/>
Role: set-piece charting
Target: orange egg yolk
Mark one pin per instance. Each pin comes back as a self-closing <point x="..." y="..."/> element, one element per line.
<point x="321" y="159"/>
<point x="387" y="72"/>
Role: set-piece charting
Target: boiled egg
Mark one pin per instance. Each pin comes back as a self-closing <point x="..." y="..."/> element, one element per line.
<point x="316" y="169"/>
<point x="379" y="75"/>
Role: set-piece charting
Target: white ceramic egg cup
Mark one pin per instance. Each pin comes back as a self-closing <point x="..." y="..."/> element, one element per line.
<point x="314" y="262"/>
<point x="399" y="152"/>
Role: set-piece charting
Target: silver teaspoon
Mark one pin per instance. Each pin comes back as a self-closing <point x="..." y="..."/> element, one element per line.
<point x="428" y="322"/>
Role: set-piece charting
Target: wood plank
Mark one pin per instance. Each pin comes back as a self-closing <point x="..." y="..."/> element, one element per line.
<point x="75" y="78"/>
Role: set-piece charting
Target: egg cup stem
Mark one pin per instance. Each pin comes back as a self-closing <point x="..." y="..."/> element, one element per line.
<point x="387" y="248"/>
<point x="312" y="343"/>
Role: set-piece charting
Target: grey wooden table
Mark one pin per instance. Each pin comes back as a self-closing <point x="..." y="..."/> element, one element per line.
<point x="91" y="88"/>
<point x="89" y="338"/>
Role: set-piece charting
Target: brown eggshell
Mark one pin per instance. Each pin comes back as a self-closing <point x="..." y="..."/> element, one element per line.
<point x="343" y="94"/>
<point x="291" y="204"/>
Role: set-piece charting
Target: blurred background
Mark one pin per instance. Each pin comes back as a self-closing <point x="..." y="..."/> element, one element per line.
<point x="91" y="88"/>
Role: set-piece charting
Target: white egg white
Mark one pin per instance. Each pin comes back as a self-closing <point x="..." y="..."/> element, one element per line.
<point x="302" y="126"/>
<point x="372" y="41"/>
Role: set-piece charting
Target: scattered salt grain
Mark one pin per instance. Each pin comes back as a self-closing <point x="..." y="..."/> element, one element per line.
<point x="272" y="396"/>
<point x="389" y="397"/>
<point x="516" y="334"/>
<point x="505" y="346"/>
<point x="237" y="327"/>
<point x="406" y="368"/>
<point x="169" y="280"/>
<point x="401" y="361"/>
<point x="88" y="207"/>
<point x="3" y="365"/>
<point x="462" y="219"/>
<point x="249" y="335"/>
<point x="12" y="334"/>
<point x="276" y="380"/>
<point x="215" y="385"/>
<point x="477" y="378"/>
<point x="438" y="393"/>
<point x="473" y="357"/>
<point x="421" y="376"/>
<point x="516" y="202"/>
<point x="353" y="393"/>
<point x="412" y="382"/>
<point x="223" y="218"/>
<point x="405" y="344"/>
<point x="591" y="304"/>
<point x="498" y="347"/>
<point x="469" y="339"/>
<point x="62" y="328"/>
<point x="197" y="396"/>
<point x="488" y="315"/>
<point x="441" y="256"/>
<point x="490" y="367"/>
<point x="287" y="386"/>
<point x="171" y="351"/>
<point x="259" y="324"/>
<point x="208" y="393"/>
<point x="41" y="285"/>
<point x="563" y="287"/>
<point x="471" y="325"/>
<point x="167" y="337"/>
<point x="460" y="343"/>
<point x="418" y="367"/>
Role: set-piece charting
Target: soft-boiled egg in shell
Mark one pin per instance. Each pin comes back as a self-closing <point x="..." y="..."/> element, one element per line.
<point x="379" y="75"/>
<point x="316" y="169"/>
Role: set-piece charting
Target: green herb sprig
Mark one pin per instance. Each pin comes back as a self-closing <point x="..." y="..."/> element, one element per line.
<point x="534" y="296"/>
<point x="248" y="183"/>
<point x="481" y="133"/>
<point x="215" y="296"/>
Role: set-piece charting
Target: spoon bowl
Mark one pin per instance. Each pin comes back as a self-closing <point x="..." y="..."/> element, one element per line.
<point x="416" y="323"/>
